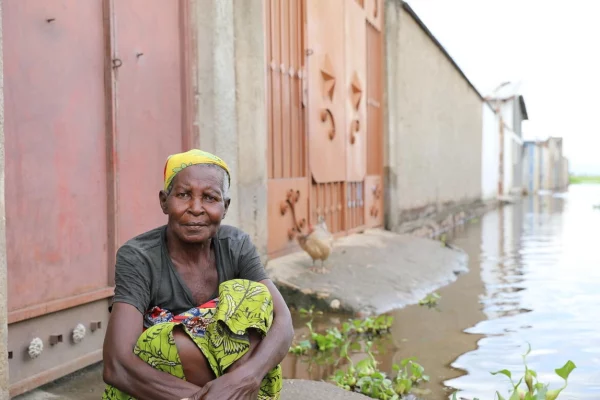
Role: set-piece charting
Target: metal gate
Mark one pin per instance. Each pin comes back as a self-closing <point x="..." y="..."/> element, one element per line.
<point x="325" y="91"/>
<point x="94" y="100"/>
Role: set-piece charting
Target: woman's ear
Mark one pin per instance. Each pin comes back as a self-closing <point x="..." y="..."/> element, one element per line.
<point x="227" y="202"/>
<point x="162" y="197"/>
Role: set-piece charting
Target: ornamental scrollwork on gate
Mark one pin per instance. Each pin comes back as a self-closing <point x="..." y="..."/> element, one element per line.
<point x="289" y="203"/>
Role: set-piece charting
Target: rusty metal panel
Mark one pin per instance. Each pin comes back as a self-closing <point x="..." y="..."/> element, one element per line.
<point x="374" y="10"/>
<point x="327" y="200"/>
<point x="285" y="57"/>
<point x="355" y="88"/>
<point x="62" y="353"/>
<point x="326" y="90"/>
<point x="55" y="150"/>
<point x="149" y="109"/>
<point x="375" y="76"/>
<point x="373" y="210"/>
<point x="281" y="218"/>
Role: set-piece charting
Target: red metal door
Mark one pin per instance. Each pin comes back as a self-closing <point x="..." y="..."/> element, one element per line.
<point x="149" y="123"/>
<point x="55" y="157"/>
<point x="56" y="183"/>
<point x="96" y="97"/>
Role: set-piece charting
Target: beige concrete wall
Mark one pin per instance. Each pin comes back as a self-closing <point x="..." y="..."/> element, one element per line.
<point x="230" y="97"/>
<point x="3" y="287"/>
<point x="434" y="122"/>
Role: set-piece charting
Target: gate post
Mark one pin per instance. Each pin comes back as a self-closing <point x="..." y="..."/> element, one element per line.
<point x="231" y="112"/>
<point x="392" y="125"/>
<point x="3" y="286"/>
<point x="251" y="114"/>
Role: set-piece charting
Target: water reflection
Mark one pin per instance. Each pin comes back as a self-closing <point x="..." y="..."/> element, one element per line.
<point x="541" y="286"/>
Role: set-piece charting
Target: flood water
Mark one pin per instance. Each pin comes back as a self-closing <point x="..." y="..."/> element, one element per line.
<point x="534" y="278"/>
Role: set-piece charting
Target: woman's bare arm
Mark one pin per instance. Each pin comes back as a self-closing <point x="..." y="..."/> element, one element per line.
<point x="126" y="371"/>
<point x="242" y="381"/>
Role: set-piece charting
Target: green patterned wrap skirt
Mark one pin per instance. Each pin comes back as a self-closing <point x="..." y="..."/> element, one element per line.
<point x="219" y="329"/>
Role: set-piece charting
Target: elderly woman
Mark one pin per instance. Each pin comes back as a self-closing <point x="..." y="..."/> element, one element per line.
<point x="194" y="314"/>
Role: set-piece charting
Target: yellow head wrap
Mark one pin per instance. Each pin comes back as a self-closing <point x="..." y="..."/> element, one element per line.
<point x="177" y="162"/>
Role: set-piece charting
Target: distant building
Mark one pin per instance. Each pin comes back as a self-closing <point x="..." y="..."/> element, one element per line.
<point x="532" y="163"/>
<point x="490" y="154"/>
<point x="554" y="175"/>
<point x="544" y="166"/>
<point x="510" y="105"/>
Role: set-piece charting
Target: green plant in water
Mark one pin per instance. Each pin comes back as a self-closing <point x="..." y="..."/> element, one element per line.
<point x="368" y="326"/>
<point x="408" y="374"/>
<point x="301" y="348"/>
<point x="310" y="312"/>
<point x="334" y="338"/>
<point x="366" y="378"/>
<point x="444" y="239"/>
<point x="431" y="300"/>
<point x="535" y="390"/>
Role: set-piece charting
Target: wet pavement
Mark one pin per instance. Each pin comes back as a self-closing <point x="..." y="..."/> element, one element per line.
<point x="368" y="273"/>
<point x="534" y="274"/>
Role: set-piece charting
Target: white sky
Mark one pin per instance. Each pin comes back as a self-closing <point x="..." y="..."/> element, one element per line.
<point x="552" y="47"/>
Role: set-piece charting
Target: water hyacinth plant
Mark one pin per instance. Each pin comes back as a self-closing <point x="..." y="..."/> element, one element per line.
<point x="366" y="378"/>
<point x="431" y="300"/>
<point x="533" y="389"/>
<point x="334" y="338"/>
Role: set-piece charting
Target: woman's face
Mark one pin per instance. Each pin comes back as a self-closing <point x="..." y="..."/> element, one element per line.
<point x="196" y="204"/>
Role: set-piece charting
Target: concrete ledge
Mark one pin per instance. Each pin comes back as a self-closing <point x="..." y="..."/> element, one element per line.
<point x="370" y="273"/>
<point x="298" y="389"/>
<point x="87" y="385"/>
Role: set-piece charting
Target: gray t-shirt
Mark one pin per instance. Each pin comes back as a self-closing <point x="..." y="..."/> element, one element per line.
<point x="145" y="276"/>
